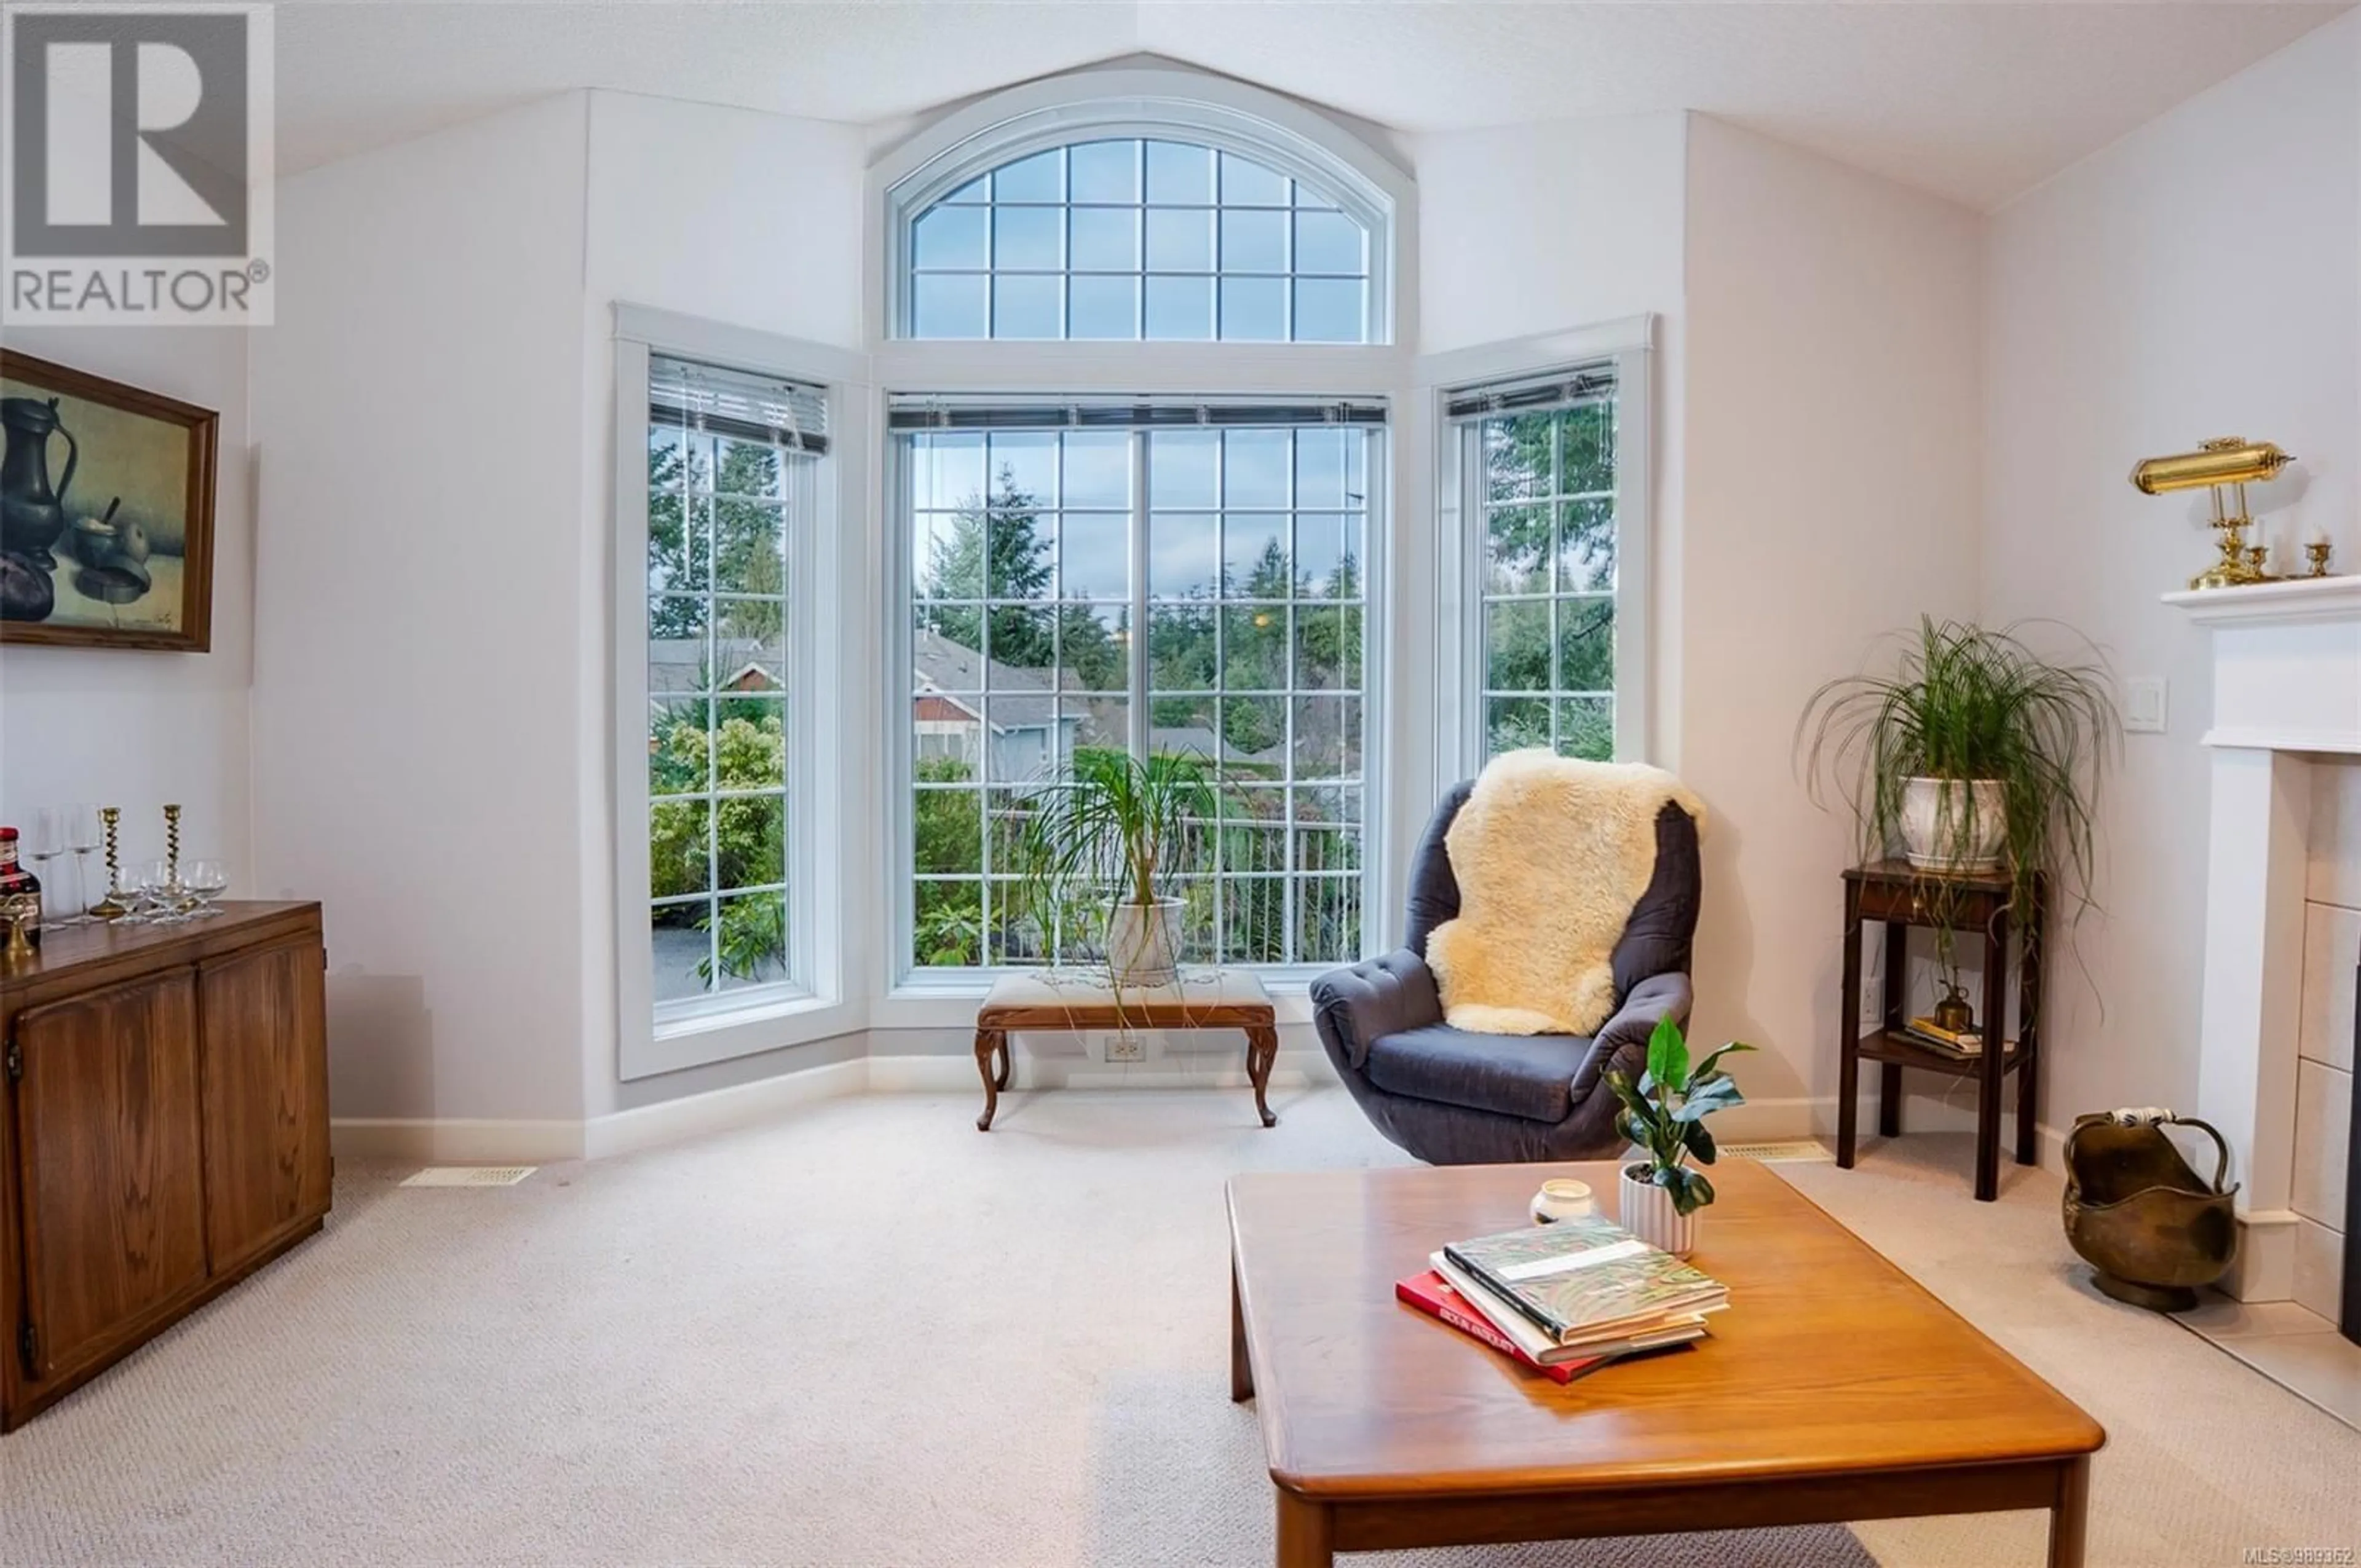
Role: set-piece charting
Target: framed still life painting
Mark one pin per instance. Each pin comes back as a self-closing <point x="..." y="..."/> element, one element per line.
<point x="106" y="513"/>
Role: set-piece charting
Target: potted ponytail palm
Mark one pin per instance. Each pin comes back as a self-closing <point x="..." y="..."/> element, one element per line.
<point x="1120" y="830"/>
<point x="1975" y="756"/>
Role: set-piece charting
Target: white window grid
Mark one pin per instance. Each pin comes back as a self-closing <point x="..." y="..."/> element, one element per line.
<point x="1314" y="897"/>
<point x="1167" y="223"/>
<point x="1574" y="594"/>
<point x="707" y="698"/>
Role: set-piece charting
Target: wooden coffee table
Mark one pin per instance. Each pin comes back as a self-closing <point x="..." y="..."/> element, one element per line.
<point x="1833" y="1389"/>
<point x="1035" y="999"/>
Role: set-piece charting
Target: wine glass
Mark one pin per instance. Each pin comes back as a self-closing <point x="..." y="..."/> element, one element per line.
<point x="44" y="843"/>
<point x="207" y="879"/>
<point x="162" y="894"/>
<point x="83" y="837"/>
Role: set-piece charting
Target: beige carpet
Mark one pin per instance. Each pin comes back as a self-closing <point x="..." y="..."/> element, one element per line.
<point x="867" y="1335"/>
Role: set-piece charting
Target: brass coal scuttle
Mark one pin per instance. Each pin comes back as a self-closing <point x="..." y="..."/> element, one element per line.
<point x="2147" y="1223"/>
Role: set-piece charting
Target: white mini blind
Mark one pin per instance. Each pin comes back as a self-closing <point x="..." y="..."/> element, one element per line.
<point x="737" y="403"/>
<point x="924" y="412"/>
<point x="1573" y="388"/>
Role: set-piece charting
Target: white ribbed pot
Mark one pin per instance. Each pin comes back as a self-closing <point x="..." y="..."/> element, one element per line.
<point x="1647" y="1212"/>
<point x="1942" y="818"/>
<point x="1144" y="944"/>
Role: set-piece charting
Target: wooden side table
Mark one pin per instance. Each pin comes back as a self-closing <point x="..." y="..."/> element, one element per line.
<point x="1891" y="891"/>
<point x="1055" y="998"/>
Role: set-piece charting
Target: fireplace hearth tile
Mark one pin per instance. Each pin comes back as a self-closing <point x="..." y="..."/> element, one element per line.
<point x="2324" y="1369"/>
<point x="2220" y="1318"/>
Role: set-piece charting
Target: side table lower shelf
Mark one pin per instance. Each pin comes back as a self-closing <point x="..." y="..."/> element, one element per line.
<point x="1890" y="893"/>
<point x="1895" y="1049"/>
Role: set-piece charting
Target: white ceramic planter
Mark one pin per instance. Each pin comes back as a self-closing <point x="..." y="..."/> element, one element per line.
<point x="1648" y="1214"/>
<point x="1144" y="944"/>
<point x="1939" y="815"/>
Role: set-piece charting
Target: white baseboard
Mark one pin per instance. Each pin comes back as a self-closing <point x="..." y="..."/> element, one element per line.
<point x="721" y="1110"/>
<point x="463" y="1141"/>
<point x="1762" y="1122"/>
<point x="1925" y="1114"/>
<point x="458" y="1140"/>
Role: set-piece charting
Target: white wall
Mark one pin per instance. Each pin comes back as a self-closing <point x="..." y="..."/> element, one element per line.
<point x="748" y="219"/>
<point x="1526" y="229"/>
<point x="2200" y="278"/>
<point x="1832" y="494"/>
<point x="136" y="729"/>
<point x="419" y="644"/>
<point x="1535" y="228"/>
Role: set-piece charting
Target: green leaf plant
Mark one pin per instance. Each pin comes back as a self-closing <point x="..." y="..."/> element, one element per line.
<point x="1121" y="828"/>
<point x="1664" y="1112"/>
<point x="1966" y="703"/>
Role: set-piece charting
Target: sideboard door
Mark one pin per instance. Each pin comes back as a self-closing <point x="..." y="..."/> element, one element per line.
<point x="110" y="1166"/>
<point x="263" y="1023"/>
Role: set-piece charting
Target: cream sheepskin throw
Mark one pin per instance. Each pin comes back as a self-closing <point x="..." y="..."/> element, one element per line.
<point x="1550" y="854"/>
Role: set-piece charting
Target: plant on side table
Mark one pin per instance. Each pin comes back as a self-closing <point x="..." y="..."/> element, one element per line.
<point x="1976" y="756"/>
<point x="1112" y="837"/>
<point x="1664" y="1113"/>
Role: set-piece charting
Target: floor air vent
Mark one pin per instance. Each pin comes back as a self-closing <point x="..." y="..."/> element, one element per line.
<point x="470" y="1176"/>
<point x="1799" y="1149"/>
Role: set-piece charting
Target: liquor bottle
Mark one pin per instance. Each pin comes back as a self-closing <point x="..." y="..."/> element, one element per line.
<point x="20" y="891"/>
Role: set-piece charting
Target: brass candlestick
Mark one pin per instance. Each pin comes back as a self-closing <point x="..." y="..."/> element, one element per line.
<point x="2317" y="553"/>
<point x="114" y="907"/>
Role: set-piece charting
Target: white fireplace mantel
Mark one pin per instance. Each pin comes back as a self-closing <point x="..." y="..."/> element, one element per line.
<point x="2287" y="681"/>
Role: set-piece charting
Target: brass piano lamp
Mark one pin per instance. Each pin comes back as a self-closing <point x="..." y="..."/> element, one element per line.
<point x="2233" y="463"/>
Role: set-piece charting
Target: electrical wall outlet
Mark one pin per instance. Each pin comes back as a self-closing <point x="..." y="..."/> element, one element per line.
<point x="1873" y="999"/>
<point x="1123" y="1045"/>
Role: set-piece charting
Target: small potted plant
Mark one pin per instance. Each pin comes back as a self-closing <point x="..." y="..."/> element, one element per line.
<point x="1664" y="1115"/>
<point x="1119" y="830"/>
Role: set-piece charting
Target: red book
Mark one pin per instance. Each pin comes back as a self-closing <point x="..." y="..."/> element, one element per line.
<point x="1433" y="1294"/>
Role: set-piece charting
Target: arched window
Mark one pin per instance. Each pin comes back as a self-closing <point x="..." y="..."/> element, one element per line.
<point x="1140" y="206"/>
<point x="1138" y="238"/>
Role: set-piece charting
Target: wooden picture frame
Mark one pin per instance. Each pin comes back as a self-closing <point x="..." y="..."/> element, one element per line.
<point x="106" y="513"/>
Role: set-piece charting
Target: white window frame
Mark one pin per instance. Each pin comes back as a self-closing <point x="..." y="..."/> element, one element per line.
<point x="1459" y="538"/>
<point x="827" y="559"/>
<point x="1180" y="105"/>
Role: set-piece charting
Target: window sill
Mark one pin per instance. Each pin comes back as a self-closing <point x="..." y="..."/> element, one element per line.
<point x="714" y="1016"/>
<point x="769" y="1024"/>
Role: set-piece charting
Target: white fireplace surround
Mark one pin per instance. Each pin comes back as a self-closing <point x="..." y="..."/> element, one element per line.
<point x="2286" y="687"/>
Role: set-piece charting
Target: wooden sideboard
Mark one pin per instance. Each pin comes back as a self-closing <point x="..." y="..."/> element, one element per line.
<point x="165" y="1131"/>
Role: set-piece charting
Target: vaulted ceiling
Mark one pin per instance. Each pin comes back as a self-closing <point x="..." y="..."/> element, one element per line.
<point x="1974" y="101"/>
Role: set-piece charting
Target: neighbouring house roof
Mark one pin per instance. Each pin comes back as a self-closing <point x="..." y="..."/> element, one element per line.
<point x="743" y="664"/>
<point x="1021" y="698"/>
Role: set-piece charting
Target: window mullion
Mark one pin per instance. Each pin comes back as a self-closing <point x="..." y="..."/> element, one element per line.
<point x="1141" y="729"/>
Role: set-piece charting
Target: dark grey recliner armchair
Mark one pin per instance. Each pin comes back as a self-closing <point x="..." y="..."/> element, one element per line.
<point x="1453" y="1096"/>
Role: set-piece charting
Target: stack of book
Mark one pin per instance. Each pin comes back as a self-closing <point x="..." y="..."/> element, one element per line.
<point x="1961" y="1042"/>
<point x="1566" y="1298"/>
